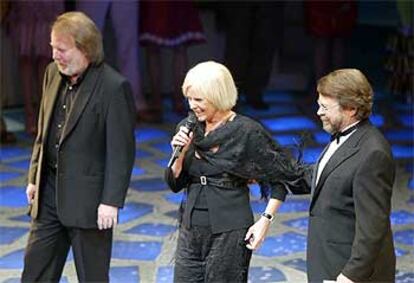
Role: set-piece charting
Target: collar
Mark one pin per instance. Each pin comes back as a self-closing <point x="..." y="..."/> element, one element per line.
<point x="348" y="130"/>
<point x="67" y="80"/>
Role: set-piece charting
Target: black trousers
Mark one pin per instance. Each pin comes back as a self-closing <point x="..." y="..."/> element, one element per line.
<point x="49" y="243"/>
<point x="205" y="257"/>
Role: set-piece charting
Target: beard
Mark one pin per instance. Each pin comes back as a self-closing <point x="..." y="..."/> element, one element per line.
<point x="67" y="70"/>
<point x="330" y="127"/>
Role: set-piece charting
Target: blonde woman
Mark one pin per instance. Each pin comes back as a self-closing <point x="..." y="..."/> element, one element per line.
<point x="220" y="156"/>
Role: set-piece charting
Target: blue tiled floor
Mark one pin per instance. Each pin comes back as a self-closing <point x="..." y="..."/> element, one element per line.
<point x="136" y="250"/>
<point x="265" y="274"/>
<point x="284" y="244"/>
<point x="152" y="229"/>
<point x="10" y="234"/>
<point x="12" y="196"/>
<point x="133" y="211"/>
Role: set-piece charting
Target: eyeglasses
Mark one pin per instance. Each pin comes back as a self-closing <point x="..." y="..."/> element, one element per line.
<point x="326" y="108"/>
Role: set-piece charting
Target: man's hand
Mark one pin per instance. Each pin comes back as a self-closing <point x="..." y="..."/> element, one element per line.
<point x="107" y="216"/>
<point x="30" y="193"/>
<point x="343" y="279"/>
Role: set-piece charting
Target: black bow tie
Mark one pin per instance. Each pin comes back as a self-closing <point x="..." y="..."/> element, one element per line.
<point x="337" y="135"/>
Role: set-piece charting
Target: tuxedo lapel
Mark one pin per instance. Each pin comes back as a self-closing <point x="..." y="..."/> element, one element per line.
<point x="85" y="92"/>
<point x="344" y="152"/>
<point x="315" y="171"/>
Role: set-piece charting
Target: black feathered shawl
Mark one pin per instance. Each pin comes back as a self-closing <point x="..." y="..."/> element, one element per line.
<point x="246" y="150"/>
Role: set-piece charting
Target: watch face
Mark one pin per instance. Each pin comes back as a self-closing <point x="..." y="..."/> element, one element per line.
<point x="268" y="216"/>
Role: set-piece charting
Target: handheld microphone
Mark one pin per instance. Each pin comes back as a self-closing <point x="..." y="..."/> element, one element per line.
<point x="189" y="123"/>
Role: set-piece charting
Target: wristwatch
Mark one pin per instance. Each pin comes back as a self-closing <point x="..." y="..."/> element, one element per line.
<point x="268" y="216"/>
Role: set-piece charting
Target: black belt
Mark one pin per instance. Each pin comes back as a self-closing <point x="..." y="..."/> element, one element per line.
<point x="219" y="181"/>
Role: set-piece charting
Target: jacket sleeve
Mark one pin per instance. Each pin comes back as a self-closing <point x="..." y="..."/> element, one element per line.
<point x="279" y="172"/>
<point x="372" y="185"/>
<point x="120" y="146"/>
<point x="34" y="161"/>
<point x="175" y="184"/>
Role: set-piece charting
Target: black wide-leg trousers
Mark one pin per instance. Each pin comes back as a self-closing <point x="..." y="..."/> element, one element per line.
<point x="49" y="243"/>
<point x="202" y="256"/>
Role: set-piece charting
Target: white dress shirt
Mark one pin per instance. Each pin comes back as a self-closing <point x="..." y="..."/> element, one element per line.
<point x="333" y="146"/>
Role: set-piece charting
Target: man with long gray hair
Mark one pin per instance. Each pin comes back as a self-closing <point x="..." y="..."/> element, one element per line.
<point x="82" y="156"/>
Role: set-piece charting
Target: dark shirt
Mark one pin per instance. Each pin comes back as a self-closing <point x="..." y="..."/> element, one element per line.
<point x="63" y="105"/>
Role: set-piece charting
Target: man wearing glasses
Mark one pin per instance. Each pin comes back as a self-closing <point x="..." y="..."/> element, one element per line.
<point x="349" y="237"/>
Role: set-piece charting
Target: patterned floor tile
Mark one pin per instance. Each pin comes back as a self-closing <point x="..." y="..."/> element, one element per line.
<point x="290" y="206"/>
<point x="298" y="223"/>
<point x="174" y="197"/>
<point x="265" y="274"/>
<point x="142" y="154"/>
<point x="22" y="164"/>
<point x="281" y="245"/>
<point x="13" y="260"/>
<point x="12" y="196"/>
<point x="297" y="263"/>
<point x="405" y="237"/>
<point x="149" y="185"/>
<point x="162" y="163"/>
<point x="165" y="274"/>
<point x="404" y="277"/>
<point x="6" y="176"/>
<point x="145" y="134"/>
<point x="400" y="252"/>
<point x="10" y="234"/>
<point x="152" y="229"/>
<point x="134" y="210"/>
<point x="21" y="218"/>
<point x="7" y="152"/>
<point x="136" y="250"/>
<point x="402" y="217"/>
<point x="164" y="147"/>
<point x="136" y="171"/>
<point x="124" y="274"/>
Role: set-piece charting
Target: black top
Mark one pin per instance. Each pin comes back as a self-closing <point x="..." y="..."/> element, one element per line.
<point x="245" y="152"/>
<point x="200" y="214"/>
<point x="66" y="98"/>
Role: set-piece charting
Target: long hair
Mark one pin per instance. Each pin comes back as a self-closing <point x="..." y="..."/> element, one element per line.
<point x="86" y="34"/>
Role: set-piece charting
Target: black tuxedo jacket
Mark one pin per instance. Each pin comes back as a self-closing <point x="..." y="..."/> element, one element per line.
<point x="97" y="147"/>
<point x="349" y="227"/>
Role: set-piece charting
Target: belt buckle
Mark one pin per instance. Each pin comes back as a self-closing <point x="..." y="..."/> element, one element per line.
<point x="203" y="180"/>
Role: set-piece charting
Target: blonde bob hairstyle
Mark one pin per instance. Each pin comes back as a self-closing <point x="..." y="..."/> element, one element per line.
<point x="213" y="82"/>
<point x="87" y="36"/>
<point x="350" y="88"/>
